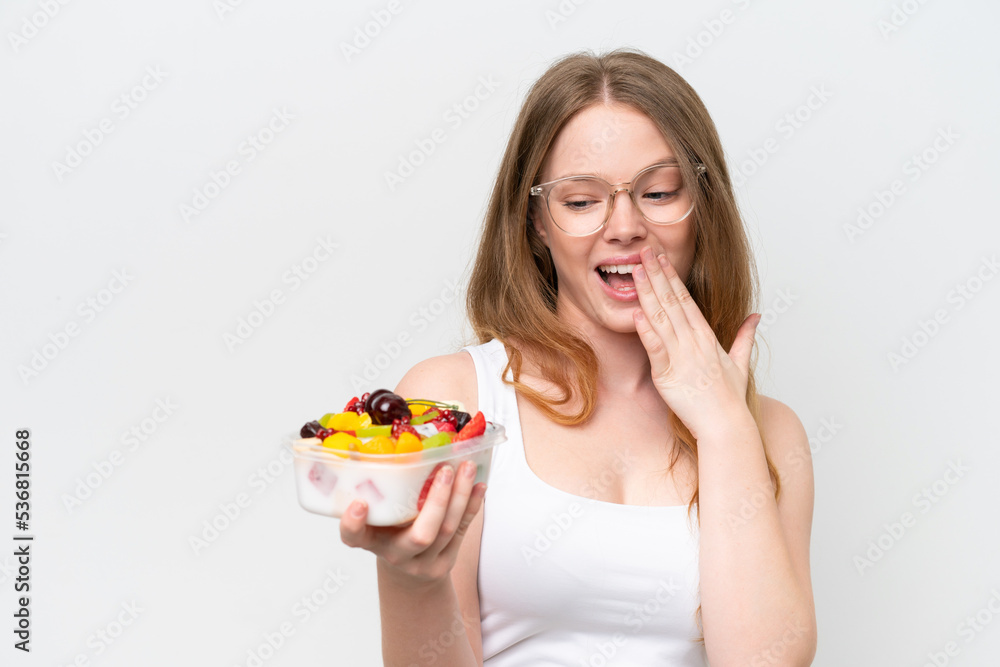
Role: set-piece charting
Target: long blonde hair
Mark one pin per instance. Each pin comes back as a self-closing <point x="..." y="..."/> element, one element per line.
<point x="513" y="288"/>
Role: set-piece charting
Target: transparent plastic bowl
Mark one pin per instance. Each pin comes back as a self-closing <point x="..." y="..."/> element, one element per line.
<point x="391" y="483"/>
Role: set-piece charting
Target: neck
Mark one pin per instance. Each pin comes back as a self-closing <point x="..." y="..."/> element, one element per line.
<point x="623" y="363"/>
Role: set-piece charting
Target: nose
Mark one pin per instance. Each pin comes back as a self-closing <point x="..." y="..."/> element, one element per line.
<point x="625" y="223"/>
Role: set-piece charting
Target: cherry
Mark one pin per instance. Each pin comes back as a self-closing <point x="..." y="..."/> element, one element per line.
<point x="384" y="407"/>
<point x="310" y="429"/>
<point x="461" y="419"/>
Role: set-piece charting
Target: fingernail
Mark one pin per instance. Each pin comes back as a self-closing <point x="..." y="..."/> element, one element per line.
<point x="470" y="470"/>
<point x="359" y="508"/>
<point x="444" y="477"/>
<point x="663" y="259"/>
<point x="639" y="272"/>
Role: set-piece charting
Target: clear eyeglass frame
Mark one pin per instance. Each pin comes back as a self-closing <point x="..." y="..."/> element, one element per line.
<point x="543" y="190"/>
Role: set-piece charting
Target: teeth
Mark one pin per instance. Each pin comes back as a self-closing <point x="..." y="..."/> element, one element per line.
<point x="617" y="268"/>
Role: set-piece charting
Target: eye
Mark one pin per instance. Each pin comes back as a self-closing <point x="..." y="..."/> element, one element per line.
<point x="660" y="197"/>
<point x="579" y="204"/>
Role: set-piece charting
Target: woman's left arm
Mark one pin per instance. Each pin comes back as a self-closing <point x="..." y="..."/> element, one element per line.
<point x="756" y="593"/>
<point x="756" y="590"/>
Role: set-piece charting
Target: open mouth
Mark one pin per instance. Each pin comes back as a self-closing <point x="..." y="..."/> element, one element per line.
<point x="617" y="276"/>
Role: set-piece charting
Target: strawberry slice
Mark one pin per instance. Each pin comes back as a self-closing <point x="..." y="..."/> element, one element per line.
<point x="427" y="486"/>
<point x="475" y="428"/>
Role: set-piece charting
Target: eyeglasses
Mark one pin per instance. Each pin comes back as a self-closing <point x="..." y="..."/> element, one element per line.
<point x="581" y="205"/>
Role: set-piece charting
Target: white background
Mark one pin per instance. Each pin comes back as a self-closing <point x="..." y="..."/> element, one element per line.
<point x="848" y="301"/>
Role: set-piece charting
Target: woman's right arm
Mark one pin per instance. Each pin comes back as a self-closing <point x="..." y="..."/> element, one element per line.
<point x="424" y="620"/>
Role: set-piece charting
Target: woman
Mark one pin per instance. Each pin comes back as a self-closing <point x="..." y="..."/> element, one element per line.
<point x="612" y="277"/>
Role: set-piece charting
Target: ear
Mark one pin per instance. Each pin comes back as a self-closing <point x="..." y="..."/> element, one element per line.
<point x="535" y="220"/>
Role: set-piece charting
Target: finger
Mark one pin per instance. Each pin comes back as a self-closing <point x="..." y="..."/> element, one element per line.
<point x="743" y="343"/>
<point x="656" y="350"/>
<point x="465" y="476"/>
<point x="655" y="314"/>
<point x="476" y="499"/>
<point x="426" y="526"/>
<point x="693" y="315"/>
<point x="354" y="532"/>
<point x="665" y="290"/>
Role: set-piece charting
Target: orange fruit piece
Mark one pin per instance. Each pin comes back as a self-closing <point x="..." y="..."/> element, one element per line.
<point x="341" y="443"/>
<point x="380" y="444"/>
<point x="344" y="421"/>
<point x="416" y="409"/>
<point x="408" y="443"/>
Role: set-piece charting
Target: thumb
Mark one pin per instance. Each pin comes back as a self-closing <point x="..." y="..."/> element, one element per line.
<point x="743" y="344"/>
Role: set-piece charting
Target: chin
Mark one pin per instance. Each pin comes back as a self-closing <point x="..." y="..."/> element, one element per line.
<point x="621" y="322"/>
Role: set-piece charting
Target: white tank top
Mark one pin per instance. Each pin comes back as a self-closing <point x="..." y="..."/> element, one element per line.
<point x="568" y="580"/>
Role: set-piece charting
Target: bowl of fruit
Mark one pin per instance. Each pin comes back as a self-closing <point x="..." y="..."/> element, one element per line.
<point x="385" y="449"/>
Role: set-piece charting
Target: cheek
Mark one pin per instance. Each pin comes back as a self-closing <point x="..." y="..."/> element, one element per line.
<point x="679" y="244"/>
<point x="567" y="255"/>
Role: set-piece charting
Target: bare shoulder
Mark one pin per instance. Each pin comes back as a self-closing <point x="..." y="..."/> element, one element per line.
<point x="784" y="436"/>
<point x="787" y="446"/>
<point x="445" y="377"/>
